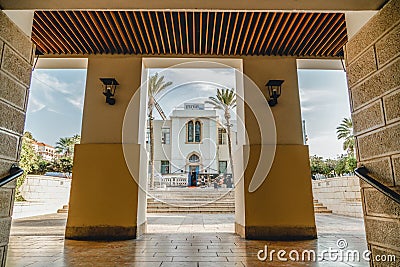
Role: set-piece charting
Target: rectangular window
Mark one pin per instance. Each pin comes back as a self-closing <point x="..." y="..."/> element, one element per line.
<point x="165" y="136"/>
<point x="222" y="166"/>
<point x="148" y="136"/>
<point x="222" y="136"/>
<point x="164" y="167"/>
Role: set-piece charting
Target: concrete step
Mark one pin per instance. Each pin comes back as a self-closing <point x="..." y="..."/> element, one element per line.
<point x="191" y="197"/>
<point x="320" y="208"/>
<point x="191" y="210"/>
<point x="62" y="211"/>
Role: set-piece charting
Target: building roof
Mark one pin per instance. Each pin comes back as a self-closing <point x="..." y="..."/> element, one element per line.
<point x="43" y="144"/>
<point x="203" y="32"/>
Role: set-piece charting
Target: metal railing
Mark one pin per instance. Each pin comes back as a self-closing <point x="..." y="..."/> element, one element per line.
<point x="15" y="172"/>
<point x="363" y="173"/>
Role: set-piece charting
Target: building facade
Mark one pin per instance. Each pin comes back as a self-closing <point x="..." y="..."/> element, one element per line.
<point x="192" y="143"/>
<point x="47" y="152"/>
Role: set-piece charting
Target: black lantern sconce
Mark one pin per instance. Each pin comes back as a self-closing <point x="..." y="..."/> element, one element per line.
<point x="274" y="91"/>
<point x="110" y="84"/>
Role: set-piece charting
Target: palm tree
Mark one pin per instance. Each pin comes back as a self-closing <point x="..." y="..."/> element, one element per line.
<point x="156" y="85"/>
<point x="65" y="146"/>
<point x="345" y="131"/>
<point x="225" y="100"/>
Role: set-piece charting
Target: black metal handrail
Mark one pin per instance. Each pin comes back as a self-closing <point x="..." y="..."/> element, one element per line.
<point x="15" y="172"/>
<point x="363" y="173"/>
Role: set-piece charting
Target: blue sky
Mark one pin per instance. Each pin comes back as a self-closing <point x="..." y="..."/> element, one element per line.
<point x="56" y="102"/>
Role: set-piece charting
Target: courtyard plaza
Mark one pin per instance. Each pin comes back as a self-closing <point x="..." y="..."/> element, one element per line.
<point x="173" y="240"/>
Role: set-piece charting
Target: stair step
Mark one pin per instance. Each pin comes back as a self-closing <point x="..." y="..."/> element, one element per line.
<point x="62" y="210"/>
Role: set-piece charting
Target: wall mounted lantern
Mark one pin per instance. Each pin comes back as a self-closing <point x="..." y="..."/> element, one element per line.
<point x="110" y="84"/>
<point x="274" y="91"/>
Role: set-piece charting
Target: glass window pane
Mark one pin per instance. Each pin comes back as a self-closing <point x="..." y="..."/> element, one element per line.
<point x="197" y="132"/>
<point x="222" y="136"/>
<point x="194" y="158"/>
<point x="222" y="166"/>
<point x="164" y="167"/>
<point x="190" y="138"/>
<point x="165" y="136"/>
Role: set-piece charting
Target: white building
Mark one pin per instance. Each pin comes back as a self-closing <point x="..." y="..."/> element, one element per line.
<point x="47" y="152"/>
<point x="191" y="144"/>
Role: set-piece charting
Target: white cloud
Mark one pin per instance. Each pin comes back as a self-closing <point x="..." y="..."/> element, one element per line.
<point x="34" y="105"/>
<point x="76" y="102"/>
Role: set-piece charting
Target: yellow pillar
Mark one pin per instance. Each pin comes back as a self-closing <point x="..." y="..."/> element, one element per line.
<point x="282" y="207"/>
<point x="104" y="195"/>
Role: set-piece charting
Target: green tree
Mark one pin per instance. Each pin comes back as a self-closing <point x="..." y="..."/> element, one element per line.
<point x="345" y="131"/>
<point x="27" y="162"/>
<point x="156" y="85"/>
<point x="29" y="136"/>
<point x="317" y="165"/>
<point x="66" y="145"/>
<point x="340" y="167"/>
<point x="41" y="166"/>
<point x="225" y="100"/>
<point x="330" y="164"/>
<point x="351" y="164"/>
<point x="63" y="164"/>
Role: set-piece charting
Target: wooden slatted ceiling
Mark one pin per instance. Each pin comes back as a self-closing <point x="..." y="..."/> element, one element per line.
<point x="188" y="32"/>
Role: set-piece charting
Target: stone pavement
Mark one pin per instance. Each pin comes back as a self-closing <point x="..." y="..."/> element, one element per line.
<point x="173" y="240"/>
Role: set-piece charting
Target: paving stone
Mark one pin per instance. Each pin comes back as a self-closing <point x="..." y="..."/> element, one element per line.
<point x="381" y="169"/>
<point x="15" y="37"/>
<point x="388" y="47"/>
<point x="376" y="227"/>
<point x="363" y="66"/>
<point x="368" y="118"/>
<point x="12" y="91"/>
<point x="377" y="204"/>
<point x="380" y="143"/>
<point x="16" y="66"/>
<point x="392" y="106"/>
<point x="33" y="244"/>
<point x="388" y="16"/>
<point x="11" y="118"/>
<point x="9" y="146"/>
<point x="376" y="85"/>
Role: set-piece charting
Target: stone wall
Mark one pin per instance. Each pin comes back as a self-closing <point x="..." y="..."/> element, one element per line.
<point x="341" y="195"/>
<point x="43" y="195"/>
<point x="373" y="73"/>
<point x="16" y="57"/>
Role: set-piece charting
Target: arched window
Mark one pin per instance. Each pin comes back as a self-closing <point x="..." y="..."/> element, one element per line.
<point x="190" y="132"/>
<point x="197" y="132"/>
<point x="194" y="158"/>
<point x="193" y="131"/>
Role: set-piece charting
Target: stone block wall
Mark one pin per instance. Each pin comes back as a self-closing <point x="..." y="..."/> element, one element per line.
<point x="46" y="189"/>
<point x="373" y="73"/>
<point x="16" y="57"/>
<point x="341" y="195"/>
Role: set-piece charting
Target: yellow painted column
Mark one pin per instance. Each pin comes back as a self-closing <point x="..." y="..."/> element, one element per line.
<point x="104" y="196"/>
<point x="282" y="207"/>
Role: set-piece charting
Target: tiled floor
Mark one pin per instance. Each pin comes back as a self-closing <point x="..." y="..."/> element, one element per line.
<point x="181" y="240"/>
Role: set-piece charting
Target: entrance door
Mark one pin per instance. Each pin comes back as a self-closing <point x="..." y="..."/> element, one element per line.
<point x="193" y="174"/>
